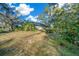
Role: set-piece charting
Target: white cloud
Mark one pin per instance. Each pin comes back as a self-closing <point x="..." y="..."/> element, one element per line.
<point x="61" y="4"/>
<point x="36" y="17"/>
<point x="31" y="18"/>
<point x="24" y="9"/>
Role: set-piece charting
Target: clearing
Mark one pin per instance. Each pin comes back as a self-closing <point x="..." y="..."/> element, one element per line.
<point x="23" y="43"/>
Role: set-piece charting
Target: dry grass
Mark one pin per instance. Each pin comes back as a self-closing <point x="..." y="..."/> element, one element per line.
<point x="23" y="43"/>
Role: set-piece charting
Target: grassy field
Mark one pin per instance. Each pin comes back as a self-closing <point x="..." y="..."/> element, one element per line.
<point x="23" y="43"/>
<point x="31" y="43"/>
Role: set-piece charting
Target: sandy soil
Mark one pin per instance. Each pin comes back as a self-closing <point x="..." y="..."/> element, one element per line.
<point x="26" y="43"/>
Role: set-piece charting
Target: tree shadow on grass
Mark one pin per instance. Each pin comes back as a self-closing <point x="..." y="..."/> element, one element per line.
<point x="5" y="47"/>
<point x="6" y="51"/>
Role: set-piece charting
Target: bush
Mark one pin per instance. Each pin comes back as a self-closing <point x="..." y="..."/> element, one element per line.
<point x="66" y="25"/>
<point x="28" y="26"/>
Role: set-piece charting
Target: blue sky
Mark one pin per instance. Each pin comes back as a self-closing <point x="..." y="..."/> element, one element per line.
<point x="38" y="7"/>
<point x="29" y="10"/>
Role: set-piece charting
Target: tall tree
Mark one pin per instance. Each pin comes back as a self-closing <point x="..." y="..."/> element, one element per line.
<point x="8" y="13"/>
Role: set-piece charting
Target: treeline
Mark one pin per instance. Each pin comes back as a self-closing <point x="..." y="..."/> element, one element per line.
<point x="27" y="26"/>
<point x="10" y="21"/>
<point x="62" y="22"/>
<point x="8" y="17"/>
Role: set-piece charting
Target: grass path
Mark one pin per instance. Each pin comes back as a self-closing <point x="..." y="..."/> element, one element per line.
<point x="26" y="43"/>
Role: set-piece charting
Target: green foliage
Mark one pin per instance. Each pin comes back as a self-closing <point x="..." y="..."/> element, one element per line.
<point x="28" y="26"/>
<point x="66" y="24"/>
<point x="18" y="28"/>
<point x="1" y="30"/>
<point x="8" y="17"/>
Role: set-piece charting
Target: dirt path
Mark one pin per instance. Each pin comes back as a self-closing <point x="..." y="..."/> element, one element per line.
<point x="26" y="43"/>
<point x="21" y="34"/>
